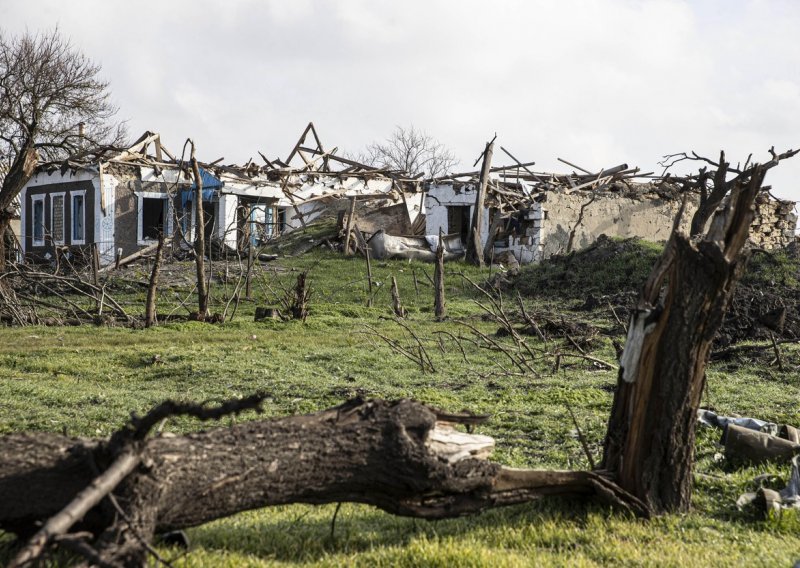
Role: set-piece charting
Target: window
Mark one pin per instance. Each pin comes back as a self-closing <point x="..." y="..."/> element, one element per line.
<point x="37" y="203"/>
<point x="78" y="214"/>
<point x="154" y="211"/>
<point x="57" y="218"/>
<point x="155" y="217"/>
<point x="269" y="222"/>
<point x="258" y="229"/>
<point x="281" y="221"/>
<point x="458" y="221"/>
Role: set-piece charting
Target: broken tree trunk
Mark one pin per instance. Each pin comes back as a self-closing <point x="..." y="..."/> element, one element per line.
<point x="300" y="298"/>
<point x="14" y="179"/>
<point x="199" y="242"/>
<point x="403" y="457"/>
<point x="474" y="245"/>
<point x="120" y="261"/>
<point x="651" y="431"/>
<point x="150" y="309"/>
<point x="439" y="309"/>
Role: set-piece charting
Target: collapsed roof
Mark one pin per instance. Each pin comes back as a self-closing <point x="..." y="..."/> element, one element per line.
<point x="309" y="173"/>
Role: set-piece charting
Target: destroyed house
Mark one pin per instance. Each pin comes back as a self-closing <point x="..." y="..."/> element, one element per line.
<point x="535" y="215"/>
<point x="107" y="201"/>
<point x="113" y="203"/>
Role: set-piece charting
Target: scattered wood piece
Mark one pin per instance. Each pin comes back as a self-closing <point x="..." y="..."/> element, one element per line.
<point x="124" y="261"/>
<point x="397" y="305"/>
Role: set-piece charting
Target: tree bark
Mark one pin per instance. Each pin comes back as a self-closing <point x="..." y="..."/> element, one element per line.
<point x="651" y="431"/>
<point x="18" y="175"/>
<point x="369" y="277"/>
<point x="5" y="225"/>
<point x="351" y="217"/>
<point x="474" y="245"/>
<point x="439" y="308"/>
<point x="402" y="457"/>
<point x="152" y="289"/>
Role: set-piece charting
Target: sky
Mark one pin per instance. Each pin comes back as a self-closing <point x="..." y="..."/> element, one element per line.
<point x="595" y="82"/>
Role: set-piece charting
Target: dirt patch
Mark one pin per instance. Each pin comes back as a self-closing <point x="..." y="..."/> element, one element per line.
<point x="609" y="274"/>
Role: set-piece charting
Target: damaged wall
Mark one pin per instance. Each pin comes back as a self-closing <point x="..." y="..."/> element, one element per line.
<point x="374" y="215"/>
<point x="775" y="223"/>
<point x="126" y="218"/>
<point x="648" y="216"/>
<point x="644" y="215"/>
<point x="633" y="210"/>
<point x="440" y="197"/>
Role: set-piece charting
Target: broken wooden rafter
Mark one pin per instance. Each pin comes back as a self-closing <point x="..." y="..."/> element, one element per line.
<point x="477" y="173"/>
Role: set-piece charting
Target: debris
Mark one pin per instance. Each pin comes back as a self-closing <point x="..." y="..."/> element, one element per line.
<point x="744" y="445"/>
<point x="711" y="418"/>
<point x="266" y="313"/>
<point x="386" y="246"/>
<point x="752" y="440"/>
<point x="772" y="501"/>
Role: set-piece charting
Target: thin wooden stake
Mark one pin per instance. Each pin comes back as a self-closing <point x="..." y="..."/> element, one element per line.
<point x="777" y="350"/>
<point x="248" y="287"/>
<point x="351" y="215"/>
<point x="397" y="306"/>
<point x="369" y="277"/>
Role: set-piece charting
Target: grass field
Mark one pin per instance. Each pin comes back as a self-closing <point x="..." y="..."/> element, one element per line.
<point x="86" y="381"/>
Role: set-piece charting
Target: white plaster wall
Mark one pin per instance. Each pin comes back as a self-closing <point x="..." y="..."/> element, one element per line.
<point x="104" y="226"/>
<point x="226" y="227"/>
<point x="439" y="197"/>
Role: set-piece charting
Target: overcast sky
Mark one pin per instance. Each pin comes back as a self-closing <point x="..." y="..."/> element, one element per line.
<point x="597" y="82"/>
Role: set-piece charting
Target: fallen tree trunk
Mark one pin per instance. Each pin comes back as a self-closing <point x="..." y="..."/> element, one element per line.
<point x="402" y="457"/>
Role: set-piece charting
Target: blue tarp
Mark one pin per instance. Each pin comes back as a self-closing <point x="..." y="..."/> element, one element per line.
<point x="210" y="185"/>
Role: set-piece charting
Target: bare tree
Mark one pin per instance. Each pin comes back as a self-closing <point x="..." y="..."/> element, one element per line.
<point x="411" y="151"/>
<point x="52" y="103"/>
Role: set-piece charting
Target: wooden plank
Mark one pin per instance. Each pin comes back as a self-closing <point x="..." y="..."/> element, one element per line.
<point x="135" y="256"/>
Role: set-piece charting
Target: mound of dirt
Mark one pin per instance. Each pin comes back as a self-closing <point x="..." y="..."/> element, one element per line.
<point x="607" y="267"/>
<point x="611" y="273"/>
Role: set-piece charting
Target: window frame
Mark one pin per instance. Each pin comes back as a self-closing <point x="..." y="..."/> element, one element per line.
<point x="41" y="199"/>
<point x="72" y="195"/>
<point x="63" y="196"/>
<point x="140" y="197"/>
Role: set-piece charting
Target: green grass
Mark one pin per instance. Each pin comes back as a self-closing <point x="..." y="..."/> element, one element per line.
<point x="86" y="381"/>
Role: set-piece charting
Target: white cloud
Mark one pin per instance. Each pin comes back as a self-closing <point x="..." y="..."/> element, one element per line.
<point x="596" y="81"/>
